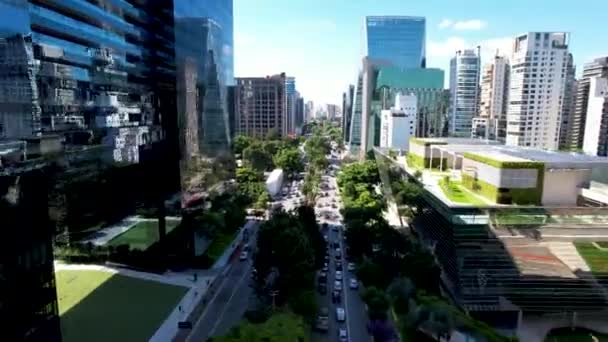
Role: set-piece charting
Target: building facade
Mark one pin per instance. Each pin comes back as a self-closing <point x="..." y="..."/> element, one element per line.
<point x="309" y="111"/>
<point x="576" y="133"/>
<point x="261" y="105"/>
<point x="566" y="136"/>
<point x="537" y="83"/>
<point x="493" y="100"/>
<point x="299" y="121"/>
<point x="398" y="124"/>
<point x="395" y="40"/>
<point x="464" y="91"/>
<point x="596" y="121"/>
<point x="347" y="111"/>
<point x="291" y="98"/>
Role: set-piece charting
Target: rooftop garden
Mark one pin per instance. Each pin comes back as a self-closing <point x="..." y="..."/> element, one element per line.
<point x="456" y="193"/>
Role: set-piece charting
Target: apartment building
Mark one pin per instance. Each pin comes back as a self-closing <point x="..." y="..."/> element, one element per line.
<point x="261" y="105"/>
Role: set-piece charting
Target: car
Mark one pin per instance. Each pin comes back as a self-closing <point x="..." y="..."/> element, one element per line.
<point x="325" y="238"/>
<point x="322" y="288"/>
<point x="244" y="256"/>
<point x="338" y="275"/>
<point x="246" y="247"/>
<point x="336" y="297"/>
<point x="333" y="205"/>
<point x="338" y="250"/>
<point x="338" y="285"/>
<point x="322" y="322"/>
<point x="322" y="277"/>
<point x="354" y="284"/>
<point x="351" y="266"/>
<point x="340" y="314"/>
<point x="338" y="256"/>
<point x="338" y="265"/>
<point x="342" y="335"/>
<point x="325" y="267"/>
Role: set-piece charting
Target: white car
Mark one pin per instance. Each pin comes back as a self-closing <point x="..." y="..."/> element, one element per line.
<point x="338" y="285"/>
<point x="351" y="266"/>
<point x="354" y="284"/>
<point x="338" y="275"/>
<point x="342" y="335"/>
<point x="340" y="314"/>
<point x="244" y="256"/>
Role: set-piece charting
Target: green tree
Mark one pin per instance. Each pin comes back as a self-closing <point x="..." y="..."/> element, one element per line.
<point x="257" y="158"/>
<point x="392" y="154"/>
<point x="377" y="302"/>
<point x="273" y="134"/>
<point x="272" y="147"/>
<point x="241" y="142"/>
<point x="401" y="292"/>
<point x="280" y="327"/>
<point x="289" y="160"/>
<point x="262" y="200"/>
<point x="248" y="175"/>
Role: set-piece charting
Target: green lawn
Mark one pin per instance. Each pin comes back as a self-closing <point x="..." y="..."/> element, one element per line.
<point x="524" y="219"/>
<point x="142" y="235"/>
<point x="98" y="306"/>
<point x="457" y="194"/>
<point x="595" y="258"/>
<point x="219" y="244"/>
<point x="578" y="335"/>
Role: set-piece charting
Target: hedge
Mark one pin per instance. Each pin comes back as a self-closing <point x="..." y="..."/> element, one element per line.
<point x="425" y="142"/>
<point x="529" y="196"/>
<point x="505" y="164"/>
<point x="416" y="161"/>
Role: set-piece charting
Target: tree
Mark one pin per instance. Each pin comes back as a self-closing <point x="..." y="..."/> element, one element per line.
<point x="392" y="154"/>
<point x="307" y="218"/>
<point x="273" y="134"/>
<point x="262" y="200"/>
<point x="241" y="142"/>
<point x="400" y="292"/>
<point x="377" y="302"/>
<point x="248" y="175"/>
<point x="272" y="147"/>
<point x="257" y="158"/>
<point x="406" y="193"/>
<point x="418" y="175"/>
<point x="283" y="326"/>
<point x="289" y="160"/>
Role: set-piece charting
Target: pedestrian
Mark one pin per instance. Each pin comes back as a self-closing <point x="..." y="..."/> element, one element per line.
<point x="179" y="308"/>
<point x="195" y="277"/>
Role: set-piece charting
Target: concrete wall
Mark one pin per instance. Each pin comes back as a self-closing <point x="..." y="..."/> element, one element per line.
<point x="561" y="187"/>
<point x="502" y="178"/>
<point x="419" y="150"/>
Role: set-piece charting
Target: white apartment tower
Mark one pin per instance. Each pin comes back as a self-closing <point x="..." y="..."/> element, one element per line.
<point x="537" y="82"/>
<point x="494" y="97"/>
<point x="595" y="140"/>
<point x="398" y="124"/>
<point x="464" y="91"/>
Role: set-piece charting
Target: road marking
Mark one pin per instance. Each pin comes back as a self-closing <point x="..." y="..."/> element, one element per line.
<point x="229" y="300"/>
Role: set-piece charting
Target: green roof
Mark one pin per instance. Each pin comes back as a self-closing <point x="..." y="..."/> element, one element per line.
<point x="394" y="77"/>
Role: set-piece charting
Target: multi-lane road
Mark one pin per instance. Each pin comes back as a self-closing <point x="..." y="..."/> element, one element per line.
<point x="356" y="314"/>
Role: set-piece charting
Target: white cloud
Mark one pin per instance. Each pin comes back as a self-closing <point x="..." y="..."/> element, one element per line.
<point x="462" y="25"/>
<point x="445" y="23"/>
<point x="448" y="47"/>
<point x="489" y="47"/>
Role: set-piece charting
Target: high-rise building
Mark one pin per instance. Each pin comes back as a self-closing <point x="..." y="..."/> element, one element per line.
<point x="261" y="105"/>
<point x="291" y="95"/>
<point x="493" y="100"/>
<point x="568" y="103"/>
<point x="398" y="124"/>
<point x="464" y="91"/>
<point x="596" y="68"/>
<point x="299" y="116"/>
<point x="333" y="111"/>
<point x="309" y="111"/>
<point x="347" y="111"/>
<point x="596" y="122"/>
<point x="537" y="82"/>
<point x="395" y="40"/>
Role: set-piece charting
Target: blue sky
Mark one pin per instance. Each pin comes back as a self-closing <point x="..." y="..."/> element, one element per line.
<point x="319" y="41"/>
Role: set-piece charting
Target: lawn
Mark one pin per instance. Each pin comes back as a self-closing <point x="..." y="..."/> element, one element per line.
<point x="457" y="194"/>
<point x="99" y="306"/>
<point x="578" y="335"/>
<point x="523" y="219"/>
<point x="595" y="258"/>
<point x="219" y="244"/>
<point x="142" y="235"/>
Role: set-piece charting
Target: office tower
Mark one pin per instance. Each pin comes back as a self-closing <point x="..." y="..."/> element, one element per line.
<point x="537" y="83"/>
<point x="596" y="122"/>
<point x="395" y="40"/>
<point x="333" y="111"/>
<point x="309" y="111"/>
<point x="398" y="123"/>
<point x="568" y="103"/>
<point x="261" y="105"/>
<point x="299" y="116"/>
<point x="464" y="91"/>
<point x="291" y="97"/>
<point x="493" y="101"/>
<point x="347" y="111"/>
<point x="596" y="68"/>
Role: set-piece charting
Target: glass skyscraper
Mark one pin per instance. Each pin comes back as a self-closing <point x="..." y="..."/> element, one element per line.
<point x="395" y="40"/>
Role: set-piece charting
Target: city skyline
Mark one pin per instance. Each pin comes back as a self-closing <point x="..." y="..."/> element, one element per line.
<point x="329" y="44"/>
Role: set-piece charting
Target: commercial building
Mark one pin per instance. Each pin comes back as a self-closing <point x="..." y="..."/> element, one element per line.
<point x="261" y="105"/>
<point x="299" y="122"/>
<point x="509" y="226"/>
<point x="492" y="120"/>
<point x="596" y="123"/>
<point x="395" y="40"/>
<point x="309" y="111"/>
<point x="537" y="83"/>
<point x="576" y="133"/>
<point x="464" y="91"/>
<point x="291" y="97"/>
<point x="347" y="111"/>
<point x="398" y="124"/>
<point x="566" y="135"/>
<point x="333" y="111"/>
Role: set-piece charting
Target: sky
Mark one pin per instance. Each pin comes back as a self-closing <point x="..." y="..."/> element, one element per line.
<point x="319" y="41"/>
